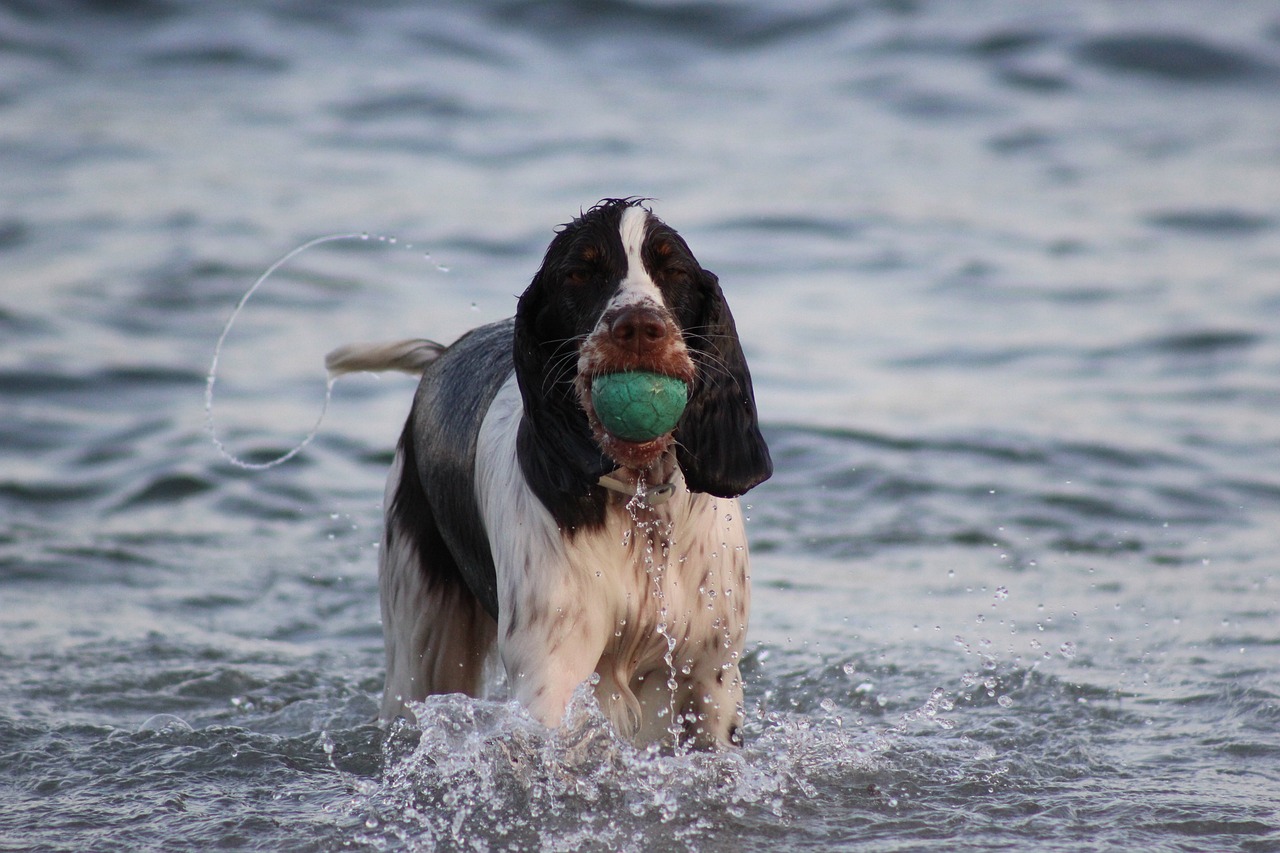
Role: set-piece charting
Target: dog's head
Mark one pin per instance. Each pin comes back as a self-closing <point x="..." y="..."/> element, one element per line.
<point x="619" y="290"/>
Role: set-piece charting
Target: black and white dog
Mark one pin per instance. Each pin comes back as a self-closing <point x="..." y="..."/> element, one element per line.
<point x="515" y="520"/>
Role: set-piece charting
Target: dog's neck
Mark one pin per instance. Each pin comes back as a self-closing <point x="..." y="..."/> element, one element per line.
<point x="654" y="486"/>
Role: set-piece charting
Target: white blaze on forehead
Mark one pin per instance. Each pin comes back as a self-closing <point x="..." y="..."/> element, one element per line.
<point x="637" y="285"/>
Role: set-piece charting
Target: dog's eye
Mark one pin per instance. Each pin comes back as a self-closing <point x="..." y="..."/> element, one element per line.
<point x="667" y="263"/>
<point x="576" y="276"/>
<point x="675" y="274"/>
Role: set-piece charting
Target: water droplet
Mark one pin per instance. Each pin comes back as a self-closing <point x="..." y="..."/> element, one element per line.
<point x="165" y="723"/>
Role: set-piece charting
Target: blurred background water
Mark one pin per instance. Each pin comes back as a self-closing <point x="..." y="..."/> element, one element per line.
<point x="1008" y="275"/>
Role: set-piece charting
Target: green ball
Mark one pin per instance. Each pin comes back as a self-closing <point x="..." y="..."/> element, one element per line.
<point x="638" y="405"/>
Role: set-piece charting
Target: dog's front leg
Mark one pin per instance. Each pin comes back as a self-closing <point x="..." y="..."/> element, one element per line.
<point x="548" y="651"/>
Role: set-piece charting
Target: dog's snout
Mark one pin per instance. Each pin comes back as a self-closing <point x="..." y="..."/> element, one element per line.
<point x="637" y="328"/>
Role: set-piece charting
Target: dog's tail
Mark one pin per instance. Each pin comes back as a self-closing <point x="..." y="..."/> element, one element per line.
<point x="409" y="356"/>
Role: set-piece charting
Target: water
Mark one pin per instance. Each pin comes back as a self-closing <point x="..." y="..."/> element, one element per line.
<point x="1008" y="280"/>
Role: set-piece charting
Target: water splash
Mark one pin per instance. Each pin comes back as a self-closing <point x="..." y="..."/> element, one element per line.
<point x="484" y="775"/>
<point x="655" y="530"/>
<point x="212" y="377"/>
<point x="165" y="724"/>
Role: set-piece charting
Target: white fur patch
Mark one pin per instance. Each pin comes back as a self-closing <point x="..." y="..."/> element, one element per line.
<point x="637" y="286"/>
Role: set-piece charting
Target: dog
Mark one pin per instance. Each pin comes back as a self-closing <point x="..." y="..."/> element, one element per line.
<point x="516" y="522"/>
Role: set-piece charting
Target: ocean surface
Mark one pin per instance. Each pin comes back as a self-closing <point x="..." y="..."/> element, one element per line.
<point x="1008" y="276"/>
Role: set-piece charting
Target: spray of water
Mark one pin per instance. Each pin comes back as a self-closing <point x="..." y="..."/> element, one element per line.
<point x="212" y="378"/>
<point x="658" y="532"/>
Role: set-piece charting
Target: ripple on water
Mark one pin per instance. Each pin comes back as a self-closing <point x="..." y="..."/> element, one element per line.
<point x="851" y="494"/>
<point x="1217" y="222"/>
<point x="1174" y="57"/>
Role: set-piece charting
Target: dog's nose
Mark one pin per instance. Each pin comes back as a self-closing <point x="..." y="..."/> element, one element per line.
<point x="637" y="328"/>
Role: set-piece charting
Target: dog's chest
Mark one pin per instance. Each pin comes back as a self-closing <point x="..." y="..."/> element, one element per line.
<point x="672" y="582"/>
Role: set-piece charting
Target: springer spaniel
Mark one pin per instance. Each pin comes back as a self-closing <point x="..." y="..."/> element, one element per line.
<point x="515" y="520"/>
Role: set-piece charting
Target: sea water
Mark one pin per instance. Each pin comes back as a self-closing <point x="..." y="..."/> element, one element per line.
<point x="1008" y="278"/>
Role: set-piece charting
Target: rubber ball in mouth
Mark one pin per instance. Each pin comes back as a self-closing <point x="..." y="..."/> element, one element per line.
<point x="638" y="405"/>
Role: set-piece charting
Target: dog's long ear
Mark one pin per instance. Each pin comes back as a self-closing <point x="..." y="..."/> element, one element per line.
<point x="557" y="453"/>
<point x="719" y="445"/>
